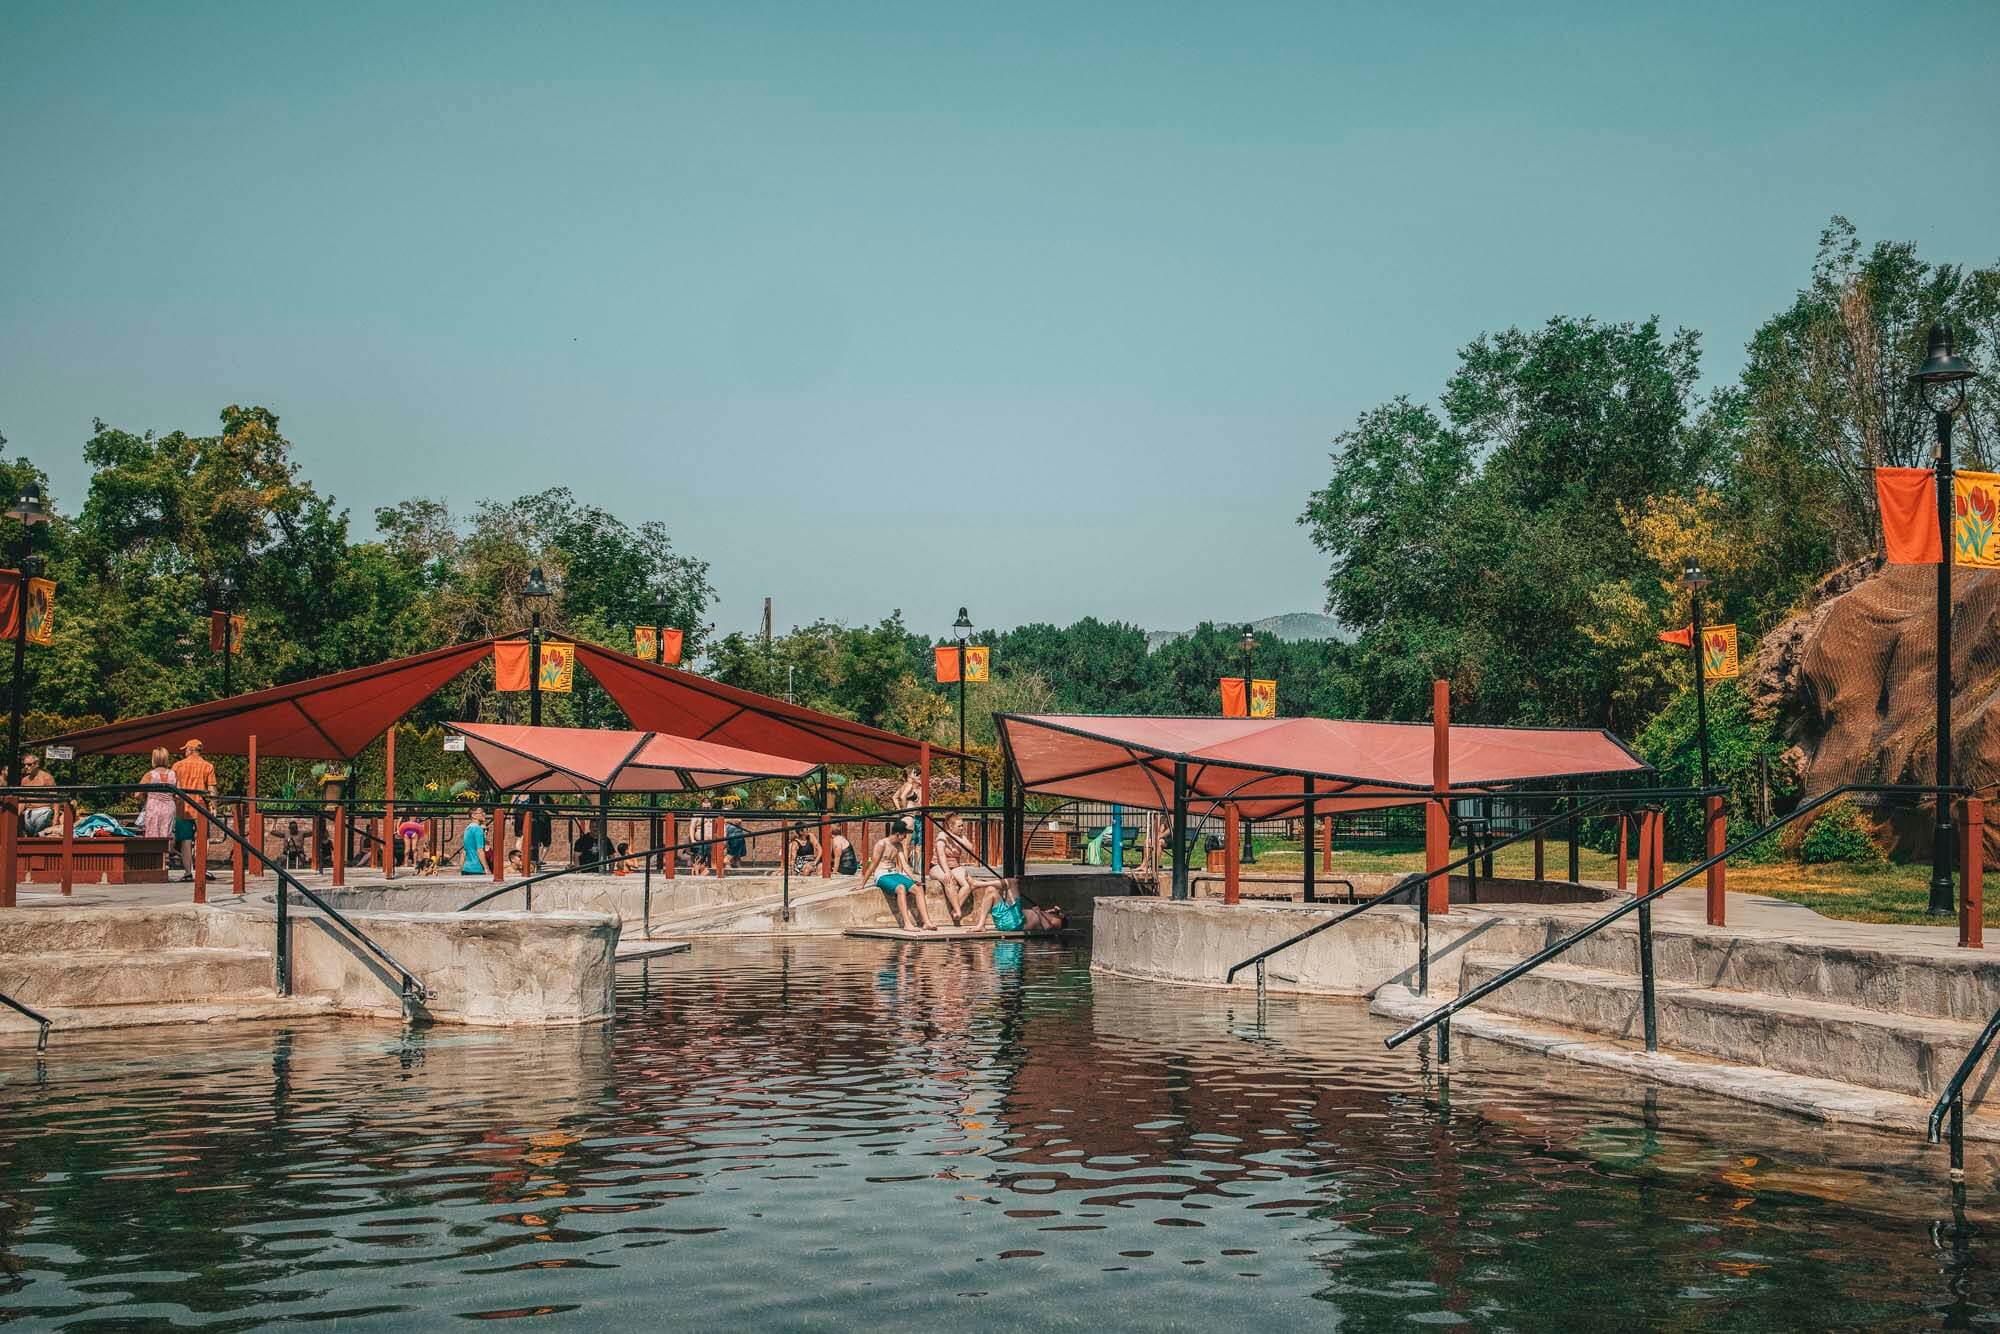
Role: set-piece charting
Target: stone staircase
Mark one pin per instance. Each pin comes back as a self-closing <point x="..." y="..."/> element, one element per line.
<point x="124" y="967"/>
<point x="1893" y="1021"/>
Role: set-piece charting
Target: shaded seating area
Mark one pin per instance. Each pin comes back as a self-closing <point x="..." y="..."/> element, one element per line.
<point x="1304" y="768"/>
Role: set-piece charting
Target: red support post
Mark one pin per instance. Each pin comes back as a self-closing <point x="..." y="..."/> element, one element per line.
<point x="1972" y="894"/>
<point x="10" y="854"/>
<point x="1717" y="827"/>
<point x="1659" y="848"/>
<point x="496" y="846"/>
<point x="236" y="868"/>
<point x="69" y="848"/>
<point x="1437" y="820"/>
<point x="389" y="804"/>
<point x="254" y="824"/>
<point x="340" y="840"/>
<point x="1646" y="881"/>
<point x="1624" y="847"/>
<point x="1232" y="854"/>
<point x="200" y="854"/>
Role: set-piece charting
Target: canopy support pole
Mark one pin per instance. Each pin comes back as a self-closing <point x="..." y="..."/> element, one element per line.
<point x="1180" y="830"/>
<point x="1308" y="850"/>
<point x="389" y="840"/>
<point x="1437" y="821"/>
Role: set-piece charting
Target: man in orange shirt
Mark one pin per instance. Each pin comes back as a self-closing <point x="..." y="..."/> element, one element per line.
<point x="192" y="773"/>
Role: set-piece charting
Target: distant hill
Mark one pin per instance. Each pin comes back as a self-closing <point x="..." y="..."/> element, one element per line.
<point x="1292" y="625"/>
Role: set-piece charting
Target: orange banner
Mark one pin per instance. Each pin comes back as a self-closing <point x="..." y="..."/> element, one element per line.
<point x="216" y="622"/>
<point x="1234" y="702"/>
<point x="978" y="663"/>
<point x="1683" y="636"/>
<point x="670" y="646"/>
<point x="1907" y="498"/>
<point x="1263" y="699"/>
<point x="41" y="611"/>
<point x="944" y="660"/>
<point x="510" y="664"/>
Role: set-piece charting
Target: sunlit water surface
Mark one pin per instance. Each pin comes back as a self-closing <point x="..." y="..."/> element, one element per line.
<point x="866" y="1134"/>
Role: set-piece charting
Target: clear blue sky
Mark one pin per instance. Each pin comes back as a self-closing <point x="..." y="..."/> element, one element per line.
<point x="1050" y="309"/>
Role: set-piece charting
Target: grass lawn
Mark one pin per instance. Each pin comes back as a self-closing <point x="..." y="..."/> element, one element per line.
<point x="1898" y="892"/>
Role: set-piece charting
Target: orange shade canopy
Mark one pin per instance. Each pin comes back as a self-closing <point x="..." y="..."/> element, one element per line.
<point x="577" y="759"/>
<point x="1264" y="764"/>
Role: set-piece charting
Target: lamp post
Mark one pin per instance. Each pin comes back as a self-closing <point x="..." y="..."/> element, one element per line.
<point x="1694" y="581"/>
<point x="225" y="588"/>
<point x="535" y="593"/>
<point x="964" y="626"/>
<point x="1940" y="381"/>
<point x="1249" y="646"/>
<point x="28" y="511"/>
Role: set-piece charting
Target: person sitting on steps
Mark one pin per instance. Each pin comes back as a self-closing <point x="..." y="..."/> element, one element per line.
<point x="889" y="871"/>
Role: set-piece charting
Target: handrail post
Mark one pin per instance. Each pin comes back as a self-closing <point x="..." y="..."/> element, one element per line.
<point x="1575" y="829"/>
<point x="1650" y="829"/>
<point x="10" y="853"/>
<point x="1308" y="854"/>
<point x="646" y="882"/>
<point x="1717" y="828"/>
<point x="785" y="875"/>
<point x="1541" y="858"/>
<point x="1958" y="1138"/>
<point x="283" y="950"/>
<point x="1437" y="817"/>
<point x="1424" y="939"/>
<point x="1972" y="870"/>
<point x="673" y="838"/>
<point x="1180" y="832"/>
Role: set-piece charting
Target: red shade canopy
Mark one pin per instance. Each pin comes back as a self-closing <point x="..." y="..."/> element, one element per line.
<point x="336" y="717"/>
<point x="1351" y="765"/>
<point x="327" y="718"/>
<point x="575" y="759"/>
<point x="666" y="699"/>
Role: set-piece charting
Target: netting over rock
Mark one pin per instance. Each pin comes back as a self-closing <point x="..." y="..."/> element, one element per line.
<point x="1853" y="682"/>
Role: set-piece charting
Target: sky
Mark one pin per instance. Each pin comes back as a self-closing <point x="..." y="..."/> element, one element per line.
<point x="1049" y="310"/>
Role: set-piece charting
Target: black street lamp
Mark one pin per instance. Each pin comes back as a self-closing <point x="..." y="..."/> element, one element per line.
<point x="1249" y="646"/>
<point x="964" y="627"/>
<point x="28" y="511"/>
<point x="535" y="593"/>
<point x="1694" y="581"/>
<point x="1941" y="383"/>
<point x="225" y="590"/>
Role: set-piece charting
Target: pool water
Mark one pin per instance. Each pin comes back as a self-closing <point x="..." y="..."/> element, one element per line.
<point x="834" y="1133"/>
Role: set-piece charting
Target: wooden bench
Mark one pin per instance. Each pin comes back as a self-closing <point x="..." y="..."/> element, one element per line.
<point x="101" y="860"/>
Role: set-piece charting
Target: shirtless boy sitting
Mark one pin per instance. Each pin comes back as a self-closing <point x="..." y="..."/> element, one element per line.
<point x="889" y="870"/>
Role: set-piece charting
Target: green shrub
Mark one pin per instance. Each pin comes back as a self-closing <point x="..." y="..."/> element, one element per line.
<point x="1737" y="741"/>
<point x="1840" y="834"/>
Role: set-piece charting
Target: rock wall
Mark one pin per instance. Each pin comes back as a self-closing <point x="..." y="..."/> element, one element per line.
<point x="1851" y="683"/>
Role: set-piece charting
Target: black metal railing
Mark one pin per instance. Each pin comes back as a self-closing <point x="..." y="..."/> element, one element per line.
<point x="1951" y="1103"/>
<point x="1642" y="904"/>
<point x="41" y="1020"/>
<point x="1415" y="883"/>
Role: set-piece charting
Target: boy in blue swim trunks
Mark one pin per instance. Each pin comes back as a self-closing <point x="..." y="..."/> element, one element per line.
<point x="889" y="871"/>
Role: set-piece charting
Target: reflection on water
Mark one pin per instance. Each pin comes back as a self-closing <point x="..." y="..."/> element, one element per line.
<point x="857" y="1133"/>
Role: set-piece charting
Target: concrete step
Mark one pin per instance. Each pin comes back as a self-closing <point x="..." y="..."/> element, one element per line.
<point x="1947" y="984"/>
<point x="69" y="1020"/>
<point x="1906" y="1054"/>
<point x="33" y="931"/>
<point x="91" y="978"/>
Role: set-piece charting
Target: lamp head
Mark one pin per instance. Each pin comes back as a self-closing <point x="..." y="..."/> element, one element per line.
<point x="1941" y="379"/>
<point x="963" y="623"/>
<point x="1249" y="641"/>
<point x="536" y="587"/>
<point x="28" y="509"/>
<point x="1692" y="577"/>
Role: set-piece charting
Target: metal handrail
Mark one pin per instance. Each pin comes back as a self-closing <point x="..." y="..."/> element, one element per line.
<point x="528" y="883"/>
<point x="42" y="1020"/>
<point x="1416" y="880"/>
<point x="1952" y="1100"/>
<point x="1643" y="904"/>
<point x="412" y="990"/>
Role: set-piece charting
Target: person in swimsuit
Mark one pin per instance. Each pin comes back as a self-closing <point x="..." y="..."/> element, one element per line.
<point x="845" y="862"/>
<point x="951" y="868"/>
<point x="889" y="871"/>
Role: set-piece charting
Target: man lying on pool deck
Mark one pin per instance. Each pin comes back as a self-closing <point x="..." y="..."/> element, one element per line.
<point x="889" y="871"/>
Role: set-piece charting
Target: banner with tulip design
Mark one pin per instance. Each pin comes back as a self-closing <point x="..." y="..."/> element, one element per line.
<point x="1975" y="497"/>
<point x="1719" y="658"/>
